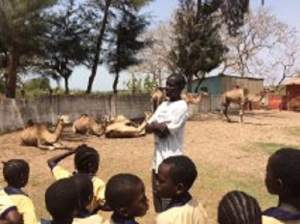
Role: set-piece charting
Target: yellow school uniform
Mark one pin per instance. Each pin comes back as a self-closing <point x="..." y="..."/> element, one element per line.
<point x="5" y="203"/>
<point x="190" y="213"/>
<point x="24" y="205"/>
<point x="98" y="185"/>
<point x="93" y="219"/>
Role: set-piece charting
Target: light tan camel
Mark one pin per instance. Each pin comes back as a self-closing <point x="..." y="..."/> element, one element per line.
<point x="88" y="125"/>
<point x="157" y="97"/>
<point x="38" y="134"/>
<point x="242" y="97"/>
<point x="238" y="96"/>
<point x="191" y="98"/>
<point x="124" y="128"/>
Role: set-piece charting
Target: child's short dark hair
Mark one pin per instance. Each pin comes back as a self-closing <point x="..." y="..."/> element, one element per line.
<point x="84" y="156"/>
<point x="12" y="171"/>
<point x="84" y="185"/>
<point x="183" y="170"/>
<point x="285" y="164"/>
<point x="120" y="190"/>
<point x="237" y="207"/>
<point x="62" y="199"/>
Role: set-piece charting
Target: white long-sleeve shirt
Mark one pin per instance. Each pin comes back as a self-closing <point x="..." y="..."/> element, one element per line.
<point x="174" y="114"/>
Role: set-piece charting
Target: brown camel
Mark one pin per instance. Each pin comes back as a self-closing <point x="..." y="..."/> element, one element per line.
<point x="242" y="97"/>
<point x="157" y="97"/>
<point x="88" y="125"/>
<point x="38" y="135"/>
<point x="124" y="128"/>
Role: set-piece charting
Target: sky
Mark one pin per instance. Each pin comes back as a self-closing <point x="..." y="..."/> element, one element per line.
<point x="286" y="11"/>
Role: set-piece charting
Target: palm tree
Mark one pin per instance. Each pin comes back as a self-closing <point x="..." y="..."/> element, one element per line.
<point x="21" y="28"/>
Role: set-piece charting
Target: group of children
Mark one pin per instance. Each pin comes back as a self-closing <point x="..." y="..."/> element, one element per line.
<point x="81" y="197"/>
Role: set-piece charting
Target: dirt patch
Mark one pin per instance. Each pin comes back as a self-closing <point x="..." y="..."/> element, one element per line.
<point x="227" y="155"/>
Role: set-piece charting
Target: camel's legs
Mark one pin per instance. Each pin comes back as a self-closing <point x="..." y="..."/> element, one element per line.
<point x="225" y="111"/>
<point x="242" y="107"/>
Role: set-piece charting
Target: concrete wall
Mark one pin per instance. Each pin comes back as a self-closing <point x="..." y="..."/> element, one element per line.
<point x="14" y="114"/>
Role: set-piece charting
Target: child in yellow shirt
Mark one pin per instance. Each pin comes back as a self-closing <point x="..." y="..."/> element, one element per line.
<point x="283" y="180"/>
<point x="86" y="161"/>
<point x="16" y="174"/>
<point x="8" y="211"/>
<point x="175" y="177"/>
<point x="125" y="195"/>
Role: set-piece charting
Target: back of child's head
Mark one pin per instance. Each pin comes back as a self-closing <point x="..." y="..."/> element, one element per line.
<point x="84" y="185"/>
<point x="16" y="172"/>
<point x="237" y="207"/>
<point x="122" y="190"/>
<point x="285" y="165"/>
<point x="179" y="79"/>
<point x="182" y="170"/>
<point x="62" y="199"/>
<point x="86" y="159"/>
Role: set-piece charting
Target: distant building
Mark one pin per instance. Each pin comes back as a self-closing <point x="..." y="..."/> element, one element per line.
<point x="217" y="85"/>
<point x="292" y="93"/>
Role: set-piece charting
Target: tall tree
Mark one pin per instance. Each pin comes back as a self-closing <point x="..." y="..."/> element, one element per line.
<point x="198" y="48"/>
<point x="107" y="7"/>
<point x="21" y="28"/>
<point x="124" y="43"/>
<point x="69" y="43"/>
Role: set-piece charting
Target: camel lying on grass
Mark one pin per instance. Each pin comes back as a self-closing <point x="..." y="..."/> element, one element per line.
<point x="39" y="136"/>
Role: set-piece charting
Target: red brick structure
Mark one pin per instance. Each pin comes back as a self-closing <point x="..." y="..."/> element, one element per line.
<point x="293" y="93"/>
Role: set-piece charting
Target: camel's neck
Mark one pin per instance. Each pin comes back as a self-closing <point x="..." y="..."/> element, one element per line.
<point x="58" y="130"/>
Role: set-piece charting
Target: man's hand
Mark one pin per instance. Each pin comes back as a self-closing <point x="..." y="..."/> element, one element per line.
<point x="160" y="129"/>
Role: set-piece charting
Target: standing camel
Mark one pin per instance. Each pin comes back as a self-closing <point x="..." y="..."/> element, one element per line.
<point x="238" y="96"/>
<point x="157" y="97"/>
<point x="39" y="136"/>
<point x="242" y="97"/>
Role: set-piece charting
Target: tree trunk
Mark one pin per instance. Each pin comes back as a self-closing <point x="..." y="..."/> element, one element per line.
<point x="11" y="75"/>
<point x="98" y="47"/>
<point x="189" y="83"/>
<point x="200" y="80"/>
<point x="115" y="84"/>
<point x="67" y="90"/>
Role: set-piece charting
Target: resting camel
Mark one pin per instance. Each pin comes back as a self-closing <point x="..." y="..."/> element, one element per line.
<point x="123" y="128"/>
<point x="87" y="125"/>
<point x="240" y="96"/>
<point x="38" y="135"/>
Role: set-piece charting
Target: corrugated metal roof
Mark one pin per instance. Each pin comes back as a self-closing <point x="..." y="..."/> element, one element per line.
<point x="292" y="81"/>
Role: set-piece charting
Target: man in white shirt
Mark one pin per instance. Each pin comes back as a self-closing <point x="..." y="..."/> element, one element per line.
<point x="167" y="124"/>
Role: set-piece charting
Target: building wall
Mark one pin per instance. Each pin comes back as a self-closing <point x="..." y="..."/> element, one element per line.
<point x="212" y="84"/>
<point x="219" y="84"/>
<point x="293" y="97"/>
<point x="228" y="83"/>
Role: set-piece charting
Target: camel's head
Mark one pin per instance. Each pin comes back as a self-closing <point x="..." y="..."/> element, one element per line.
<point x="65" y="119"/>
